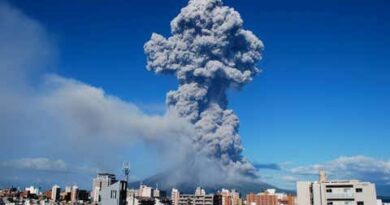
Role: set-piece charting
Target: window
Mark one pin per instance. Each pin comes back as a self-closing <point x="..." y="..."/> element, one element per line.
<point x="359" y="190"/>
<point x="113" y="194"/>
<point x="360" y="203"/>
<point x="329" y="190"/>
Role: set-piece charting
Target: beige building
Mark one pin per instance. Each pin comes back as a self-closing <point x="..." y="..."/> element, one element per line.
<point x="74" y="194"/>
<point x="227" y="197"/>
<point x="336" y="192"/>
<point x="145" y="191"/>
<point x="175" y="196"/>
<point x="199" y="198"/>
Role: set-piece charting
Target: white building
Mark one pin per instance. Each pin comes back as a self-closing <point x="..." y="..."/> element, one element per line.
<point x="200" y="191"/>
<point x="32" y="190"/>
<point x="336" y="192"/>
<point x="55" y="192"/>
<point x="101" y="181"/>
<point x="115" y="194"/>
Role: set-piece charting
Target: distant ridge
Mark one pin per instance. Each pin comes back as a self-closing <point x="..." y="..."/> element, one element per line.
<point x="164" y="183"/>
<point x="162" y="179"/>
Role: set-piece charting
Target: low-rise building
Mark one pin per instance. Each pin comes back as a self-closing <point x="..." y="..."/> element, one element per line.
<point x="270" y="197"/>
<point x="335" y="192"/>
<point x="199" y="198"/>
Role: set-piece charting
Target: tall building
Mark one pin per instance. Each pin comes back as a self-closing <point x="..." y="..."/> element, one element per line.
<point x="175" y="196"/>
<point x="74" y="193"/>
<point x="55" y="193"/>
<point x="115" y="194"/>
<point x="236" y="199"/>
<point x="336" y="192"/>
<point x="101" y="181"/>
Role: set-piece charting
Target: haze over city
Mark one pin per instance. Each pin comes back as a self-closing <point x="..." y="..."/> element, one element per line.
<point x="255" y="91"/>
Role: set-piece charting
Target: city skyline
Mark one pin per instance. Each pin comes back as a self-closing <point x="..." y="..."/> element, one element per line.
<point x="320" y="101"/>
<point x="106" y="189"/>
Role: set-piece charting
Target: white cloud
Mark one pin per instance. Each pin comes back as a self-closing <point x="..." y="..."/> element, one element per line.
<point x="359" y="167"/>
<point x="344" y="167"/>
<point x="46" y="165"/>
<point x="289" y="178"/>
<point x="37" y="164"/>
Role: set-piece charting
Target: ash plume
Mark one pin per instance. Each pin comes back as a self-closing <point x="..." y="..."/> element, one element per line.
<point x="209" y="52"/>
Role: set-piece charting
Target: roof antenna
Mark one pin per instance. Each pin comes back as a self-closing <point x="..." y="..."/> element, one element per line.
<point x="126" y="170"/>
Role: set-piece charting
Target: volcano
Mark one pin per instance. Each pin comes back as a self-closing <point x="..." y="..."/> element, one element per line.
<point x="163" y="180"/>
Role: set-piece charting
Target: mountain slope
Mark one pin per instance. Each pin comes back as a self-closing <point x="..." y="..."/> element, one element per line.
<point x="164" y="183"/>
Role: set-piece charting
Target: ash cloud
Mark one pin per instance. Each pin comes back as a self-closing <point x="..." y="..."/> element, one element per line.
<point x="48" y="122"/>
<point x="271" y="166"/>
<point x="209" y="52"/>
<point x="49" y="117"/>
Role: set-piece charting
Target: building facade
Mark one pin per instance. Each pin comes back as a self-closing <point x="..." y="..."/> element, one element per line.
<point x="226" y="197"/>
<point x="114" y="194"/>
<point x="74" y="193"/>
<point x="101" y="181"/>
<point x="145" y="191"/>
<point x="336" y="192"/>
<point x="55" y="193"/>
<point x="199" y="198"/>
<point x="270" y="197"/>
<point x="190" y="199"/>
<point x="175" y="196"/>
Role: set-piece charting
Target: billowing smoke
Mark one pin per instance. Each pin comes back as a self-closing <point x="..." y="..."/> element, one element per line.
<point x="209" y="52"/>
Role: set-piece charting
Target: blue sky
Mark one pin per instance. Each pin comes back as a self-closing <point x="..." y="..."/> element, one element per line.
<point x="324" y="89"/>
